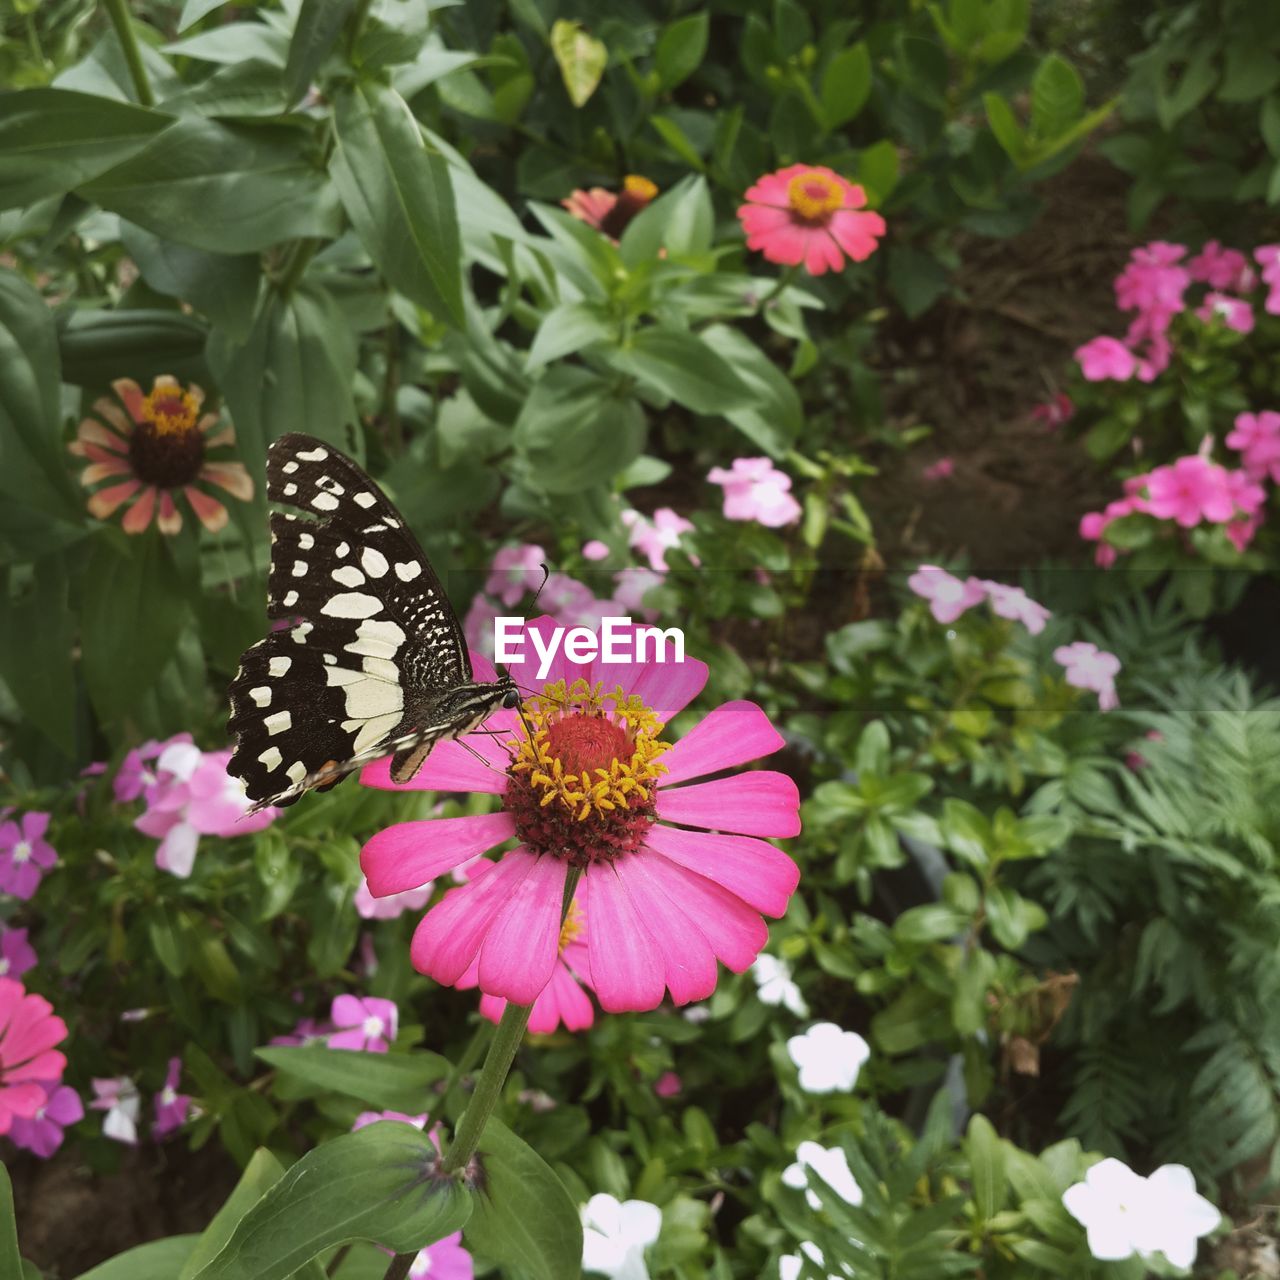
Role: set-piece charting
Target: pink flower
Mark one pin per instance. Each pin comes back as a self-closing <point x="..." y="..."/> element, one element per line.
<point x="1257" y="437"/>
<point x="1054" y="413"/>
<point x="515" y="572"/>
<point x="171" y="1107"/>
<point x="154" y="450"/>
<point x="372" y="1117"/>
<point x="1014" y="603"/>
<point x="29" y="1029"/>
<point x="1235" y="313"/>
<point x="118" y="1097"/>
<point x="574" y="603"/>
<point x="195" y="796"/>
<point x="664" y="902"/>
<point x="808" y="214"/>
<point x="948" y="597"/>
<point x="137" y="772"/>
<point x="42" y="1132"/>
<point x="25" y="855"/>
<point x="1088" y="667"/>
<point x="1190" y="490"/>
<point x="444" y="1260"/>
<point x="307" y="1032"/>
<point x="1220" y="268"/>
<point x="943" y="469"/>
<point x="668" y="1085"/>
<point x="1152" y="284"/>
<point x="754" y="489"/>
<point x="1241" y="532"/>
<point x="16" y="953"/>
<point x="595" y="550"/>
<point x="370" y="908"/>
<point x="363" y="1022"/>
<point x="562" y="1000"/>
<point x="1104" y="358"/>
<point x="608" y="211"/>
<point x="631" y="587"/>
<point x="654" y="538"/>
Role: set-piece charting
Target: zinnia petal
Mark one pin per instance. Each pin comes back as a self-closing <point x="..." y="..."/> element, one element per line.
<point x="762" y="876"/>
<point x="449" y="767"/>
<point x="209" y="511"/>
<point x="410" y="854"/>
<point x="626" y="963"/>
<point x="735" y="931"/>
<point x="105" y="501"/>
<point x="139" y="515"/>
<point x="130" y="396"/>
<point x="230" y="476"/>
<point x="760" y="803"/>
<point x="522" y="945"/>
<point x="733" y="734"/>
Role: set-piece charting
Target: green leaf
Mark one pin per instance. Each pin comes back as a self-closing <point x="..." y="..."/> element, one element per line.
<point x="1004" y="124"/>
<point x="930" y="922"/>
<point x="674" y="136"/>
<point x="872" y="754"/>
<point x="681" y="220"/>
<point x="574" y="431"/>
<point x="878" y="170"/>
<point x="986" y="1167"/>
<point x="916" y="279"/>
<point x="159" y="1260"/>
<point x="1269" y="123"/>
<point x="1252" y="70"/>
<point x="375" y="1184"/>
<point x="194" y="10"/>
<point x="567" y="329"/>
<point x="389" y="1081"/>
<point x="36" y="637"/>
<point x="399" y="197"/>
<point x="773" y="417"/>
<point x="683" y="366"/>
<point x="98" y="346"/>
<point x="523" y="1217"/>
<point x="10" y="1259"/>
<point x="128" y="578"/>
<point x="1012" y="917"/>
<point x="846" y="85"/>
<point x="319" y="24"/>
<point x="222" y="187"/>
<point x="1057" y="98"/>
<point x="681" y="48"/>
<point x="581" y="58"/>
<point x="234" y="43"/>
<point x="53" y="140"/>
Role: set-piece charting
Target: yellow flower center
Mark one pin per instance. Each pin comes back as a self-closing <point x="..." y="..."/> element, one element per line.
<point x="814" y="196"/>
<point x="574" y="924"/>
<point x="170" y="410"/>
<point x="635" y="185"/>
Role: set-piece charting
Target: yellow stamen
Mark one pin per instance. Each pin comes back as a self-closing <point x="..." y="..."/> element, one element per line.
<point x="171" y="410"/>
<point x="635" y="185"/>
<point x="574" y="924"/>
<point x="814" y="195"/>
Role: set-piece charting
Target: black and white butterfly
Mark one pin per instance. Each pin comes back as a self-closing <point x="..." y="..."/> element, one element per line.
<point x="367" y="659"/>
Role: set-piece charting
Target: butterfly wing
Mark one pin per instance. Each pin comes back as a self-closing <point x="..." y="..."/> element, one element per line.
<point x="364" y="645"/>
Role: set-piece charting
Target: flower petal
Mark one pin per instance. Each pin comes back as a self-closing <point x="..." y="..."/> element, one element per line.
<point x="762" y="802"/>
<point x="561" y="1000"/>
<point x="410" y="854"/>
<point x="139" y="515"/>
<point x="761" y="875"/>
<point x="170" y="518"/>
<point x="230" y="476"/>
<point x="449" y="767"/>
<point x="626" y="965"/>
<point x="735" y="931"/>
<point x="130" y="396"/>
<point x="665" y="687"/>
<point x="90" y="432"/>
<point x="209" y="511"/>
<point x="105" y="501"/>
<point x="521" y="948"/>
<point x="733" y="734"/>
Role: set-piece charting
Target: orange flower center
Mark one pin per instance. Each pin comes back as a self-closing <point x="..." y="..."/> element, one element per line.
<point x="635" y="185"/>
<point x="166" y="448"/>
<point x="170" y="411"/>
<point x="814" y="196"/>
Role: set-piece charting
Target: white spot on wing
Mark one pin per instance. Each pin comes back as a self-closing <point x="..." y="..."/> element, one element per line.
<point x="300" y="633"/>
<point x="290" y="490"/>
<point x="376" y="639"/>
<point x="314" y="455"/>
<point x="291" y="599"/>
<point x="374" y="730"/>
<point x="352" y="604"/>
<point x="271" y="757"/>
<point x="375" y="563"/>
<point x="306" y="541"/>
<point x="278" y="722"/>
<point x="289" y="468"/>
<point x="296" y="772"/>
<point x="299" y="568"/>
<point x="348" y="576"/>
<point x="324" y="502"/>
<point x="365" y="499"/>
<point x="342" y="549"/>
<point x="408" y="570"/>
<point x="261" y="696"/>
<point x="279" y="666"/>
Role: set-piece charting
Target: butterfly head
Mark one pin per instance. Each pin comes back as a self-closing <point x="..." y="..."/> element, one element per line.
<point x="507" y="686"/>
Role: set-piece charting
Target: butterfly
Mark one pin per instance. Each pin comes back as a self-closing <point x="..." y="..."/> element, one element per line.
<point x="367" y="658"/>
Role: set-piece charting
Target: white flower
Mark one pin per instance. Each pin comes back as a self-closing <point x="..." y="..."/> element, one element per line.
<point x="828" y="1058"/>
<point x="831" y="1165"/>
<point x="1123" y="1213"/>
<point x="790" y="1263"/>
<point x="774" y="985"/>
<point x="615" y="1235"/>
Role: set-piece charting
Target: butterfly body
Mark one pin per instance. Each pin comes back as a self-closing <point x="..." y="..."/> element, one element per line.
<point x="366" y="657"/>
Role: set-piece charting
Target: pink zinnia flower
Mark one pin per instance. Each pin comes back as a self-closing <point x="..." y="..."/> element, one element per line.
<point x="118" y="1097"/>
<point x="171" y="1107"/>
<point x="943" y="469"/>
<point x="364" y="1022"/>
<point x="152" y="451"/>
<point x="1190" y="490"/>
<point x="1220" y="268"/>
<point x="1257" y="437"/>
<point x="610" y="211"/>
<point x="29" y="1029"/>
<point x="1105" y="358"/>
<point x="668" y="1085"/>
<point x="42" y="1132"/>
<point x="654" y="538"/>
<point x="16" y="953"/>
<point x="562" y="1000"/>
<point x="308" y="1032"/>
<point x="390" y="908"/>
<point x="1053" y="413"/>
<point x="515" y="572"/>
<point x="444" y="1260"/>
<point x="25" y="855"/>
<point x="1014" y="603"/>
<point x="1088" y="667"/>
<point x="948" y="597"/>
<point x="809" y="214"/>
<point x="1235" y="313"/>
<point x="754" y="489"/>
<point x="597" y="787"/>
<point x="195" y="796"/>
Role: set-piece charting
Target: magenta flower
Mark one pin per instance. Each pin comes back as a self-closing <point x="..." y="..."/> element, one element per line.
<point x="630" y="588"/>
<point x="1257" y="437"/>
<point x="1053" y="413"/>
<point x="29" y="1029"/>
<point x="137" y="771"/>
<point x="172" y="1107"/>
<point x="948" y="597"/>
<point x="118" y="1097"/>
<point x="597" y="787"/>
<point x="1105" y="358"/>
<point x="307" y="1032"/>
<point x="41" y="1133"/>
<point x="668" y="1085"/>
<point x="444" y="1260"/>
<point x="754" y="489"/>
<point x="1220" y="268"/>
<point x="25" y="855"/>
<point x="562" y="1000"/>
<point x="654" y="538"/>
<point x="515" y="571"/>
<point x="1152" y="284"/>
<point x="943" y="469"/>
<point x="1088" y="667"/>
<point x="364" y="1022"/>
<point x="16" y="953"/>
<point x="195" y="796"/>
<point x="1014" y="603"/>
<point x="1235" y="313"/>
<point x="807" y="214"/>
<point x="1267" y="256"/>
<point x="1190" y="490"/>
<point x="390" y="908"/>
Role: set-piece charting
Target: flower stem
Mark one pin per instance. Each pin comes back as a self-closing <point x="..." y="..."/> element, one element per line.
<point x="300" y="254"/>
<point x="118" y="12"/>
<point x="470" y="1056"/>
<point x="779" y="285"/>
<point x="399" y="1267"/>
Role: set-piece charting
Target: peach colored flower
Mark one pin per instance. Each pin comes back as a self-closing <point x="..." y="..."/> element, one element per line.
<point x="155" y="446"/>
<point x="610" y="211"/>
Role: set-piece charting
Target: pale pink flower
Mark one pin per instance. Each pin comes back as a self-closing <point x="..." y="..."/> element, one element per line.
<point x="1190" y="490"/>
<point x="515" y="572"/>
<point x="754" y="489"/>
<point x="1235" y="313"/>
<point x="171" y="1107"/>
<point x="1105" y="358"/>
<point x="444" y="1260"/>
<point x="25" y="855"/>
<point x="370" y="908"/>
<point x="16" y="953"/>
<point x="1014" y="603"/>
<point x="807" y="214"/>
<point x="1220" y="268"/>
<point x="29" y="1029"/>
<point x="947" y="595"/>
<point x="363" y="1022"/>
<point x="1054" y="413"/>
<point x="372" y="1117"/>
<point x="595" y="550"/>
<point x="668" y="1085"/>
<point x="1088" y="667"/>
<point x="630" y="588"/>
<point x="654" y="538"/>
<point x="1267" y="256"/>
<point x="137" y="770"/>
<point x="308" y="1032"/>
<point x="41" y="1133"/>
<point x="943" y="469"/>
<point x="663" y="902"/>
<point x="118" y="1097"/>
<point x="1257" y="437"/>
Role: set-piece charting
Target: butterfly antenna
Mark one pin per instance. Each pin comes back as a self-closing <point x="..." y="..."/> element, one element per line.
<point x="546" y="574"/>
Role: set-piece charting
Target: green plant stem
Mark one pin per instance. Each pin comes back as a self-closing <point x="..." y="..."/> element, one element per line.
<point x="118" y="11"/>
<point x="470" y="1056"/>
<point x="300" y="255"/>
<point x="399" y="1267"/>
<point x="779" y="285"/>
